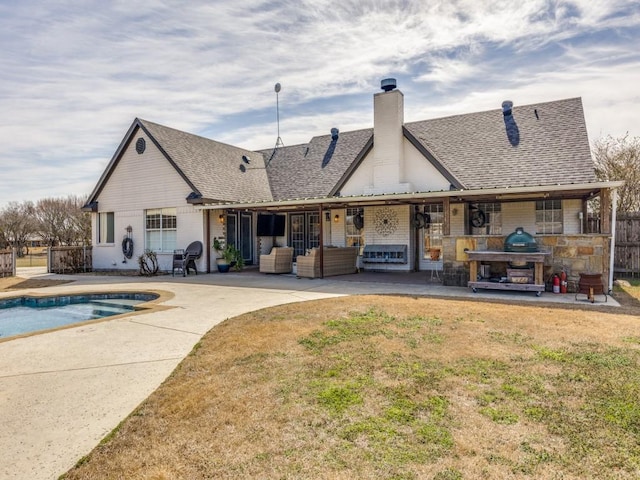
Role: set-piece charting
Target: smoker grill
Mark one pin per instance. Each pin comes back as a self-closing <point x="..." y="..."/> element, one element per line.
<point x="525" y="265"/>
<point x="521" y="242"/>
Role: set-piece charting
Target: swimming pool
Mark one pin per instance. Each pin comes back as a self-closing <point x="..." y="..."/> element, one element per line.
<point x="31" y="314"/>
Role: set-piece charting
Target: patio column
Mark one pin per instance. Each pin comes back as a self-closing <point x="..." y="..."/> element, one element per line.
<point x="446" y="229"/>
<point x="605" y="211"/>
<point x="612" y="252"/>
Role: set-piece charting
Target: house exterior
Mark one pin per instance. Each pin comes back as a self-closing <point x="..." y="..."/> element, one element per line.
<point x="431" y="190"/>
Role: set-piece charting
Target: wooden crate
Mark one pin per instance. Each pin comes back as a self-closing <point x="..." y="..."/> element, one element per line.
<point x="520" y="275"/>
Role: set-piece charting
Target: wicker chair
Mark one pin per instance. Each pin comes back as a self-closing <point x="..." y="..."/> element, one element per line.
<point x="183" y="260"/>
<point x="280" y="260"/>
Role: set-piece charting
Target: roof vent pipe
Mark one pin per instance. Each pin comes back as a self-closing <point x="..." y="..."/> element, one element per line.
<point x="507" y="105"/>
<point x="388" y="84"/>
<point x="334" y="134"/>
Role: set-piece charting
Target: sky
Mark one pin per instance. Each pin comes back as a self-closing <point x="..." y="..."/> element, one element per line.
<point x="75" y="74"/>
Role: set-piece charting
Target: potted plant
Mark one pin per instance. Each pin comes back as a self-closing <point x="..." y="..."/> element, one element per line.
<point x="221" y="262"/>
<point x="228" y="256"/>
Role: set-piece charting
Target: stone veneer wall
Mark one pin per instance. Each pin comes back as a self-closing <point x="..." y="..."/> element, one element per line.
<point x="575" y="253"/>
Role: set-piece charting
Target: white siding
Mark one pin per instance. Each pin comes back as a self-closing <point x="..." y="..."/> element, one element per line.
<point x="456" y="214"/>
<point x="337" y="235"/>
<point x="422" y="175"/>
<point x="138" y="183"/>
<point x="361" y="179"/>
<point x="401" y="236"/>
<point x="571" y="216"/>
<point x="519" y="214"/>
<point x="419" y="173"/>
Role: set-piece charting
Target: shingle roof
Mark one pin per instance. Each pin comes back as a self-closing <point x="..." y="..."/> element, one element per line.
<point x="549" y="145"/>
<point x="213" y="167"/>
<point x="312" y="170"/>
<point x="540" y="144"/>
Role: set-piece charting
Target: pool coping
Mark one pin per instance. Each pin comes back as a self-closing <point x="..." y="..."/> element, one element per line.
<point x="150" y="306"/>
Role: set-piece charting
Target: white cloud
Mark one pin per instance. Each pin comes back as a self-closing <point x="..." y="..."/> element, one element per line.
<point x="75" y="75"/>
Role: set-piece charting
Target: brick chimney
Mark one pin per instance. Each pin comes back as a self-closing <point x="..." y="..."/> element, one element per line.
<point x="388" y="141"/>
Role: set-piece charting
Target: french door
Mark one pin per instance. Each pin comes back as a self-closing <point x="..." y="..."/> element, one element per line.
<point x="304" y="232"/>
<point x="240" y="234"/>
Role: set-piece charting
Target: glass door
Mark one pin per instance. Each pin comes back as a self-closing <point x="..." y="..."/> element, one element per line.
<point x="313" y="230"/>
<point x="232" y="229"/>
<point x="297" y="234"/>
<point x="433" y="232"/>
<point x="246" y="237"/>
<point x="304" y="232"/>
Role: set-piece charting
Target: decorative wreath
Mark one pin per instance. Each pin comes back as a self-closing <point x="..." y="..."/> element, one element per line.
<point x="358" y="221"/>
<point x="385" y="221"/>
<point x="478" y="218"/>
<point x="419" y="220"/>
<point x="127" y="247"/>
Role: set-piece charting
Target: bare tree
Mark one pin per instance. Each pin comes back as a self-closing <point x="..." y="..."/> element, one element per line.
<point x="61" y="221"/>
<point x="79" y="221"/>
<point x="50" y="214"/>
<point x="4" y="243"/>
<point x="619" y="159"/>
<point x="18" y="224"/>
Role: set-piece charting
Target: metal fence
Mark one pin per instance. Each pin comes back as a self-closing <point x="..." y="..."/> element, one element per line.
<point x="69" y="259"/>
<point x="7" y="263"/>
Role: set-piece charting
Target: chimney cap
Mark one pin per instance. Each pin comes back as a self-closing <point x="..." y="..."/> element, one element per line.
<point x="388" y="84"/>
<point x="507" y="106"/>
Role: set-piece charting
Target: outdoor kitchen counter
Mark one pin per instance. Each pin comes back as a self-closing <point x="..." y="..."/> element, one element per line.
<point x="537" y="258"/>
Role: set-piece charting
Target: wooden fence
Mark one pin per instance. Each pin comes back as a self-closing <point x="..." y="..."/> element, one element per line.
<point x="69" y="259"/>
<point x="7" y="263"/>
<point x="627" y="254"/>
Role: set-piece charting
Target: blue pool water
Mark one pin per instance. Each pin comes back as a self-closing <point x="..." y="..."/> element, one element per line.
<point x="28" y="314"/>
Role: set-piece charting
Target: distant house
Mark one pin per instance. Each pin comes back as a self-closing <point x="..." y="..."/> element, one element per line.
<point x="431" y="189"/>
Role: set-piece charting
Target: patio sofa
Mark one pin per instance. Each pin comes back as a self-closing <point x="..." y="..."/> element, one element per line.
<point x="280" y="260"/>
<point x="337" y="261"/>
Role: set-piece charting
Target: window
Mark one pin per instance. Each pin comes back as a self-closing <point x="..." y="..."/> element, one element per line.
<point x="161" y="229"/>
<point x="548" y="216"/>
<point x="105" y="227"/>
<point x="354" y="235"/>
<point x="434" y="215"/>
<point x="492" y="219"/>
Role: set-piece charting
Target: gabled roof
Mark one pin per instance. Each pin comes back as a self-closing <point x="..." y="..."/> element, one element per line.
<point x="210" y="168"/>
<point x="315" y="168"/>
<point x="542" y="144"/>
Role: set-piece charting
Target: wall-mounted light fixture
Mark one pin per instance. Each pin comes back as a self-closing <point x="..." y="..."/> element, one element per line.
<point x="336" y="219"/>
<point x="221" y="219"/>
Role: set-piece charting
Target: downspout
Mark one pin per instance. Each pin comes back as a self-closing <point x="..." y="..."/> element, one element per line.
<point x="321" y="246"/>
<point x="614" y="208"/>
<point x="416" y="243"/>
<point x="207" y="236"/>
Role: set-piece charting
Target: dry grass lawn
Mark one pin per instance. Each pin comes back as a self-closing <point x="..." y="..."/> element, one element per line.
<point x="18" y="283"/>
<point x="392" y="387"/>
